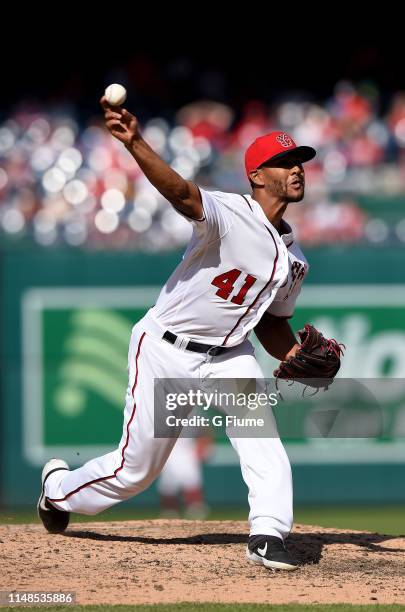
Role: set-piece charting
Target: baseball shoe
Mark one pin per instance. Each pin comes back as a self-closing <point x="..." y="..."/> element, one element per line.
<point x="54" y="520"/>
<point x="270" y="552"/>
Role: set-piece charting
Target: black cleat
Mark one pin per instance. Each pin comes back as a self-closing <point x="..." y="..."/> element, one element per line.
<point x="54" y="520"/>
<point x="270" y="551"/>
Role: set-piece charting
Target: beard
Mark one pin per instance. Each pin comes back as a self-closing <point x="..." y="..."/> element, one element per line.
<point x="280" y="190"/>
<point x="296" y="196"/>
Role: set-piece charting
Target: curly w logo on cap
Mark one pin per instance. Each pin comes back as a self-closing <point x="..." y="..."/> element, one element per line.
<point x="285" y="140"/>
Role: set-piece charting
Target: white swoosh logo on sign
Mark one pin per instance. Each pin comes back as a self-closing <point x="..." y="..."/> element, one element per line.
<point x="263" y="550"/>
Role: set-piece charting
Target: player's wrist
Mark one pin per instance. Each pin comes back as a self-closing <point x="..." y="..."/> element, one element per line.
<point x="133" y="141"/>
<point x="292" y="352"/>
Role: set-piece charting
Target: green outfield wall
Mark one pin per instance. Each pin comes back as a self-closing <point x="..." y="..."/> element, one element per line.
<point x="66" y="318"/>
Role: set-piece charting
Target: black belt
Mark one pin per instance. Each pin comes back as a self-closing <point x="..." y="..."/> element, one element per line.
<point x="197" y="347"/>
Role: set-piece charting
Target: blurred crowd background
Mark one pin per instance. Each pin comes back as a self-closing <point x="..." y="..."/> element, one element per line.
<point x="65" y="181"/>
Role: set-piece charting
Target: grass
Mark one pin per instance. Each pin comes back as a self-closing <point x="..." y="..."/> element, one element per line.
<point x="380" y="519"/>
<point x="208" y="607"/>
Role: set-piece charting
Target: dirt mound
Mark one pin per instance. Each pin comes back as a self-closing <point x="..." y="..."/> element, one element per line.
<point x="169" y="561"/>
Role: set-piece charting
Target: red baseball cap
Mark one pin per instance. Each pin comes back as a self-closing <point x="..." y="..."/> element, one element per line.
<point x="273" y="146"/>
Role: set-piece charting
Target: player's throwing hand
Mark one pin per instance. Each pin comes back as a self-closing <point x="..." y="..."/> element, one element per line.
<point x="120" y="123"/>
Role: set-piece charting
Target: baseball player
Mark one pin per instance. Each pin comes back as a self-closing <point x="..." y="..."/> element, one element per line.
<point x="242" y="271"/>
<point x="182" y="476"/>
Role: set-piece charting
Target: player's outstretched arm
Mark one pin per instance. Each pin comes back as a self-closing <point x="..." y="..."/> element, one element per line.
<point x="182" y="194"/>
<point x="276" y="336"/>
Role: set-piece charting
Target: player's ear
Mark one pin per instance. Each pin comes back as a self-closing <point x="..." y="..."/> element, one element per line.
<point x="256" y="178"/>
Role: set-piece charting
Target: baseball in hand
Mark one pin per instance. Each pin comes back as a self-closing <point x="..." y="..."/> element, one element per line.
<point x="115" y="94"/>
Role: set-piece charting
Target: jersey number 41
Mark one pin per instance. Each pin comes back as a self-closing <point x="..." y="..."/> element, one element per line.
<point x="226" y="281"/>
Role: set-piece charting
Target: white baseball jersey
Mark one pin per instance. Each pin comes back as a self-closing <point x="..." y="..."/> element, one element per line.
<point x="236" y="267"/>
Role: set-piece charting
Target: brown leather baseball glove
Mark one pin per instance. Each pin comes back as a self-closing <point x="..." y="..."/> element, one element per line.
<point x="317" y="359"/>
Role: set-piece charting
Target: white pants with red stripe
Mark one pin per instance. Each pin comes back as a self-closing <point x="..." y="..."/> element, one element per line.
<point x="140" y="457"/>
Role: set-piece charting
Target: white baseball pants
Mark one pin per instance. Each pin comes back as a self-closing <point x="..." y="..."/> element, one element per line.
<point x="140" y="457"/>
